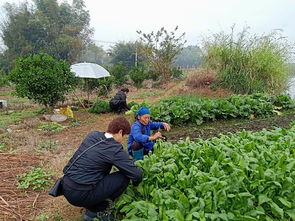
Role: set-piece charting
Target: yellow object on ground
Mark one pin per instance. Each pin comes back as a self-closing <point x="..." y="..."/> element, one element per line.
<point x="67" y="111"/>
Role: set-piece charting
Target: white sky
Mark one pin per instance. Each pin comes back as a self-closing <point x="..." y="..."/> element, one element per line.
<point x="118" y="20"/>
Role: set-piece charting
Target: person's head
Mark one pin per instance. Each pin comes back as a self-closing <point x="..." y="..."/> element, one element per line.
<point x="143" y="115"/>
<point x="119" y="127"/>
<point x="125" y="90"/>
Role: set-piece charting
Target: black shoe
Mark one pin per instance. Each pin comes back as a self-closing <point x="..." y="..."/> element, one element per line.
<point x="90" y="216"/>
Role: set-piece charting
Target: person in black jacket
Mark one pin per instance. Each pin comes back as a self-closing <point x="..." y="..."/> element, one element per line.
<point x="118" y="103"/>
<point x="88" y="183"/>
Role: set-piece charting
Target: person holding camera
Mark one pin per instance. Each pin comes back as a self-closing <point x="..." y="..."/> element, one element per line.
<point x="140" y="141"/>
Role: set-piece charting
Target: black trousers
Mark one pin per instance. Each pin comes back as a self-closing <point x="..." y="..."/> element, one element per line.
<point x="94" y="199"/>
<point x="119" y="107"/>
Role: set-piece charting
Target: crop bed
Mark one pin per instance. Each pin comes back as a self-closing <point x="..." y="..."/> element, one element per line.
<point x="17" y="204"/>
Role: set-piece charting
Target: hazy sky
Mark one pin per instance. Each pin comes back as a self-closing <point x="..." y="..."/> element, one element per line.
<point x="118" y="20"/>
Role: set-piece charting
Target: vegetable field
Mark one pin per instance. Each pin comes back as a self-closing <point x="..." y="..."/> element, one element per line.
<point x="243" y="176"/>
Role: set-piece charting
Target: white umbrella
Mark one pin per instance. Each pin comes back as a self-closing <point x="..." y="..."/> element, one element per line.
<point x="89" y="70"/>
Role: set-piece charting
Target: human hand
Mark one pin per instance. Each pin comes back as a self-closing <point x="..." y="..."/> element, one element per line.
<point x="156" y="136"/>
<point x="167" y="127"/>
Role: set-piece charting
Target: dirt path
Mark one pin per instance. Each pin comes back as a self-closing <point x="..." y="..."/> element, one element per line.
<point x="213" y="129"/>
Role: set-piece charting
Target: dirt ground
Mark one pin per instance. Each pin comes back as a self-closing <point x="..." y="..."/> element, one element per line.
<point x="22" y="153"/>
<point x="214" y="129"/>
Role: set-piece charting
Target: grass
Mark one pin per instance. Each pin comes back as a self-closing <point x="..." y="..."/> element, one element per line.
<point x="249" y="64"/>
<point x="145" y="94"/>
<point x="12" y="118"/>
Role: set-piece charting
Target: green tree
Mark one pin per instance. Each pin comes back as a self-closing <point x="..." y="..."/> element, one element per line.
<point x="127" y="53"/>
<point x="160" y="49"/>
<point x="119" y="72"/>
<point x="61" y="30"/>
<point x="137" y="75"/>
<point x="41" y="78"/>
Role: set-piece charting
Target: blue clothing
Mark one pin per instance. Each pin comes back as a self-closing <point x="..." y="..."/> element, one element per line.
<point x="140" y="133"/>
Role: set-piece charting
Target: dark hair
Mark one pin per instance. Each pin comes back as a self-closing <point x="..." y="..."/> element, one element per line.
<point x="119" y="123"/>
<point x="125" y="89"/>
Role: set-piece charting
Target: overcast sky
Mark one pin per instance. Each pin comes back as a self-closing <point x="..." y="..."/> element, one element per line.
<point x="117" y="20"/>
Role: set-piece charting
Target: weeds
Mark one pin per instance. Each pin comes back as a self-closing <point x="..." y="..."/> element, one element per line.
<point x="248" y="64"/>
<point x="47" y="145"/>
<point x="35" y="179"/>
<point x="2" y="147"/>
<point x="51" y="126"/>
<point x="14" y="117"/>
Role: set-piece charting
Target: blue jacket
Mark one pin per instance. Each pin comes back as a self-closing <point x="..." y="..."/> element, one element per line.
<point x="141" y="133"/>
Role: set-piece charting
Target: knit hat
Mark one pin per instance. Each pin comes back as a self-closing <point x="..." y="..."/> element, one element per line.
<point x="143" y="110"/>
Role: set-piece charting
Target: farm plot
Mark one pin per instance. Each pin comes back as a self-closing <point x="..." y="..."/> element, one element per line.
<point x="246" y="176"/>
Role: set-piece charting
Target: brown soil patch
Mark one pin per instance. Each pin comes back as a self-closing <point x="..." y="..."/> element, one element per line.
<point x="17" y="204"/>
<point x="214" y="129"/>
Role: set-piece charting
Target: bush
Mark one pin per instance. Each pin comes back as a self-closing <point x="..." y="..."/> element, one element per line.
<point x="176" y="72"/>
<point x="119" y="72"/>
<point x="105" y="86"/>
<point x="3" y="80"/>
<point x="41" y="78"/>
<point x="100" y="107"/>
<point x="248" y="64"/>
<point x="138" y="75"/>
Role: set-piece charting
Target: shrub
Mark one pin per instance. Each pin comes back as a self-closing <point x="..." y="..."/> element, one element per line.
<point x="35" y="179"/>
<point x="248" y="64"/>
<point x="105" y="85"/>
<point x="176" y="72"/>
<point x="138" y="75"/>
<point x="119" y="72"/>
<point x="100" y="107"/>
<point x="3" y="80"/>
<point x="41" y="78"/>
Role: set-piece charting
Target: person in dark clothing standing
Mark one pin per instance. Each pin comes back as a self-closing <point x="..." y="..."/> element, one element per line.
<point x="118" y="103"/>
<point x="88" y="183"/>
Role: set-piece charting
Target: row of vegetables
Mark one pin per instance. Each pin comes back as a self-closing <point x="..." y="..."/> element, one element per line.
<point x="243" y="176"/>
<point x="190" y="109"/>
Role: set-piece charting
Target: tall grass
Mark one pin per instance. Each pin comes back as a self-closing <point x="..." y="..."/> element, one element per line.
<point x="248" y="63"/>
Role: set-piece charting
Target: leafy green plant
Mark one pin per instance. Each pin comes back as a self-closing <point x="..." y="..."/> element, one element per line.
<point x="41" y="78"/>
<point x="99" y="107"/>
<point x="43" y="217"/>
<point x="47" y="145"/>
<point x="135" y="107"/>
<point x="119" y="72"/>
<point x="249" y="64"/>
<point x="176" y="73"/>
<point x="138" y="75"/>
<point x="51" y="126"/>
<point x="245" y="176"/>
<point x="105" y="85"/>
<point x="36" y="179"/>
<point x="188" y="109"/>
<point x="2" y="147"/>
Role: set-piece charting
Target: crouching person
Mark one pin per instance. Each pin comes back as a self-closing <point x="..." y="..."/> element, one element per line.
<point x="88" y="182"/>
<point x="140" y="141"/>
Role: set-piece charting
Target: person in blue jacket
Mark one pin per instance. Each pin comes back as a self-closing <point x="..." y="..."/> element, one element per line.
<point x="140" y="141"/>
